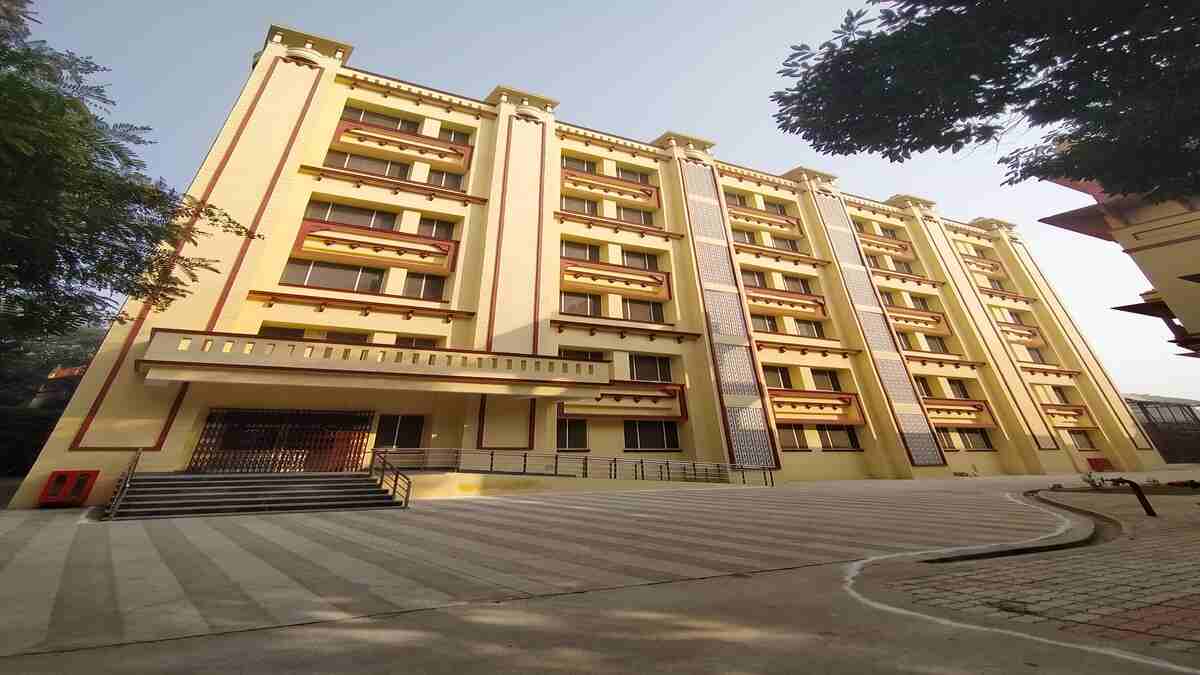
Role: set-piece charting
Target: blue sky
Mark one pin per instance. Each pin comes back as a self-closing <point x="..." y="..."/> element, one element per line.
<point x="630" y="68"/>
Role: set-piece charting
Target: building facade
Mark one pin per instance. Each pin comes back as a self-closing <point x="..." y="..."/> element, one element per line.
<point x="1163" y="238"/>
<point x="439" y="271"/>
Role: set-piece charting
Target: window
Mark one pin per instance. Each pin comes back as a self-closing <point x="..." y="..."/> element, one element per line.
<point x="1081" y="439"/>
<point x="1035" y="355"/>
<point x="633" y="176"/>
<point x="652" y="435"/>
<point x="920" y="302"/>
<point x="577" y="251"/>
<point x="937" y="344"/>
<point x="735" y="199"/>
<point x="958" y="388"/>
<point x="743" y="237"/>
<point x="572" y="434"/>
<point x="902" y="267"/>
<point x="975" y="439"/>
<point x="996" y="284"/>
<point x="904" y="340"/>
<point x="577" y="164"/>
<point x="776" y="208"/>
<point x="923" y="386"/>
<point x="888" y="232"/>
<point x="889" y="299"/>
<point x="808" y="328"/>
<point x="413" y="342"/>
<point x="648" y="368"/>
<point x="834" y="437"/>
<point x="873" y="262"/>
<point x="635" y="216"/>
<point x="791" y="437"/>
<point x="436" y="229"/>
<point x="579" y="303"/>
<point x="826" y="380"/>
<point x="319" y="274"/>
<point x="579" y="205"/>
<point x="454" y="136"/>
<point x="764" y="323"/>
<point x="399" y="431"/>
<point x="581" y="354"/>
<point x="640" y="259"/>
<point x="946" y="439"/>
<point x="379" y="167"/>
<point x="351" y="215"/>
<point x="1059" y="394"/>
<point x="424" y="286"/>
<point x="642" y="310"/>
<point x="785" y="244"/>
<point x="380" y="120"/>
<point x="445" y="179"/>
<point x="777" y="377"/>
<point x="347" y="337"/>
<point x="859" y="227"/>
<point x="754" y="279"/>
<point x="798" y="285"/>
<point x="281" y="332"/>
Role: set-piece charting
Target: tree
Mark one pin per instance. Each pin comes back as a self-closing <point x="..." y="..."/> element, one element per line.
<point x="81" y="225"/>
<point x="1113" y="85"/>
<point x="23" y="369"/>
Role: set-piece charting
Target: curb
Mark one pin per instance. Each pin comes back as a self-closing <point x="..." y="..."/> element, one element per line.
<point x="1083" y="532"/>
<point x="1121" y="526"/>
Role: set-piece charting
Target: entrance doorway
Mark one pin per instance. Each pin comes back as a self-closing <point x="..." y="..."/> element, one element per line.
<point x="399" y="431"/>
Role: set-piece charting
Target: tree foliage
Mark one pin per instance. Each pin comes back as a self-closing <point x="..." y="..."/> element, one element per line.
<point x="81" y="225"/>
<point x="1112" y="85"/>
<point x="24" y="365"/>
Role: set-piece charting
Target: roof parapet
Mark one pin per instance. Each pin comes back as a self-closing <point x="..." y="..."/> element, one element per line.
<point x="299" y="40"/>
<point x="993" y="224"/>
<point x="801" y="173"/>
<point x="669" y="138"/>
<point x="521" y="97"/>
<point x="904" y="200"/>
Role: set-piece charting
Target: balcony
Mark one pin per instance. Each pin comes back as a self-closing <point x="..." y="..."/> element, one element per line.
<point x="231" y="358"/>
<point x="988" y="268"/>
<point x="387" y="187"/>
<point x="789" y="260"/>
<point x="1045" y="373"/>
<point x="628" y="400"/>
<point x="898" y="249"/>
<point x="589" y="222"/>
<point x="1007" y="298"/>
<point x="764" y="219"/>
<point x="959" y="413"/>
<point x="1018" y="333"/>
<point x="1062" y="416"/>
<point x="799" y="406"/>
<point x="363" y="245"/>
<point x="903" y="281"/>
<point x="776" y="301"/>
<point x="918" y="320"/>
<point x="435" y="151"/>
<point x="598" y="186"/>
<point x="585" y="276"/>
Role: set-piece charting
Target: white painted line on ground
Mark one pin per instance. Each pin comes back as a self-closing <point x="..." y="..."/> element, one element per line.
<point x="854" y="569"/>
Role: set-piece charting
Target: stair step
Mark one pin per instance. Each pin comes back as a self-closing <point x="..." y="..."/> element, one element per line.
<point x="293" y="509"/>
<point x="139" y="497"/>
<point x="266" y="485"/>
<point x="182" y="511"/>
<point x="252" y="503"/>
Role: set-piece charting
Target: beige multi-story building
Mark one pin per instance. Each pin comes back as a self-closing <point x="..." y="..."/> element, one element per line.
<point x="440" y="271"/>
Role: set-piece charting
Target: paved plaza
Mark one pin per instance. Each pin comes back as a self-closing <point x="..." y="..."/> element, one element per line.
<point x="683" y="579"/>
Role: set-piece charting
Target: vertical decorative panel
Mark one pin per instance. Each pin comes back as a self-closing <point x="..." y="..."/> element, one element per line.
<point x="743" y="410"/>
<point x="914" y="427"/>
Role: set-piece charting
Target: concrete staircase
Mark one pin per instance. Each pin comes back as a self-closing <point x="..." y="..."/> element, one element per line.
<point x="168" y="495"/>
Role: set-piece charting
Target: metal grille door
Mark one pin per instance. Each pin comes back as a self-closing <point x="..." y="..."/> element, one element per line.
<point x="272" y="441"/>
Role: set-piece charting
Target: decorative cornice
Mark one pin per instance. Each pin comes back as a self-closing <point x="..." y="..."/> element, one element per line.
<point x="616" y="225"/>
<point x="366" y="307"/>
<point x="646" y="330"/>
<point x="388" y="86"/>
<point x="778" y="254"/>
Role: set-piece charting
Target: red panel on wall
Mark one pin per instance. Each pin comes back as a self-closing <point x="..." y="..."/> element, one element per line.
<point x="68" y="488"/>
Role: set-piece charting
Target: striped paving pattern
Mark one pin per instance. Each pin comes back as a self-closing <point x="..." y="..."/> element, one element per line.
<point x="66" y="584"/>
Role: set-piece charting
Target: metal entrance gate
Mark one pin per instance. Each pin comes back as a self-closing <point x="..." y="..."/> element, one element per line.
<point x="273" y="441"/>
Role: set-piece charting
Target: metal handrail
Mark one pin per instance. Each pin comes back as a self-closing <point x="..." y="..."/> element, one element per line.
<point x="123" y="484"/>
<point x="401" y="483"/>
<point x="548" y="463"/>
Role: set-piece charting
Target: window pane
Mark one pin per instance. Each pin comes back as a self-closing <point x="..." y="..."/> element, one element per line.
<point x="946" y="439"/>
<point x="763" y="323"/>
<point x="826" y="380"/>
<point x="332" y="275"/>
<point x="923" y="386"/>
<point x="903" y="267"/>
<point x="920" y="302"/>
<point x="578" y="251"/>
<point x="371" y="280"/>
<point x="635" y="176"/>
<point x="631" y="434"/>
<point x="350" y="215"/>
<point x="649" y="368"/>
<point x="652" y="435"/>
<point x="454" y="136"/>
<point x="743" y="236"/>
<point x="634" y="216"/>
<point x="385" y="434"/>
<point x="791" y="437"/>
<point x="836" y="437"/>
<point x="904" y="340"/>
<point x="367" y="164"/>
<point x="1035" y="355"/>
<point x="752" y="278"/>
<point x="580" y="303"/>
<point x="671" y="434"/>
<point x="576" y="164"/>
<point x="577" y="205"/>
<point x="888" y="232"/>
<point x="436" y="229"/>
<point x="775" y="208"/>
<point x="936" y="344"/>
<point x="640" y="260"/>
<point x="786" y="244"/>
<point x="735" y="199"/>
<point x="414" y="285"/>
<point x="317" y="210"/>
<point x="809" y="328"/>
<point x="798" y="285"/>
<point x="777" y="378"/>
<point x="281" y="332"/>
<point x="351" y="113"/>
<point x="335" y="159"/>
<point x="872" y="262"/>
<point x="639" y="310"/>
<point x="295" y="271"/>
<point x="354" y="338"/>
<point x="415" y="342"/>
<point x="581" y="354"/>
<point x="959" y="388"/>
